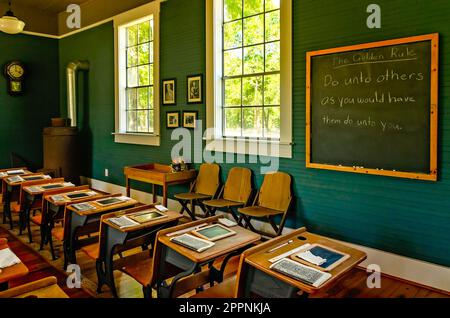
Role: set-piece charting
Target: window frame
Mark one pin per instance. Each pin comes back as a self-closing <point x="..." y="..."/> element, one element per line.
<point x="121" y="22"/>
<point x="215" y="141"/>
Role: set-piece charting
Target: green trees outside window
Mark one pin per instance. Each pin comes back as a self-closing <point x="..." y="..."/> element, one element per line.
<point x="251" y="68"/>
<point x="140" y="108"/>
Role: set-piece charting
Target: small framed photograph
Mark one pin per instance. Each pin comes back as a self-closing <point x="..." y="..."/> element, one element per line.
<point x="195" y="89"/>
<point x="173" y="119"/>
<point x="169" y="91"/>
<point x="190" y="119"/>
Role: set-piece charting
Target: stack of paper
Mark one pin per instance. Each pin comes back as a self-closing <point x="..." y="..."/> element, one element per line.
<point x="8" y="258"/>
<point x="311" y="258"/>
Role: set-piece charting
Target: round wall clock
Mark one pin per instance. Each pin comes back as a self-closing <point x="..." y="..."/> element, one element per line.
<point x="15" y="73"/>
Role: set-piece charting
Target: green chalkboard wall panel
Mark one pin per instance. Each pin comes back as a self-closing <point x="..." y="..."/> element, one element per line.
<point x="22" y="118"/>
<point x="406" y="217"/>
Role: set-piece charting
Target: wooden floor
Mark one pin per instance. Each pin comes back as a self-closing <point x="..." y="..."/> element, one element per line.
<point x="353" y="286"/>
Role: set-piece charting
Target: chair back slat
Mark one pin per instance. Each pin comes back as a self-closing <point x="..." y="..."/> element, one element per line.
<point x="239" y="185"/>
<point x="275" y="191"/>
<point x="208" y="179"/>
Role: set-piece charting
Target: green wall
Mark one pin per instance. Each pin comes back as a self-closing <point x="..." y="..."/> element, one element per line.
<point x="401" y="216"/>
<point x="22" y="118"/>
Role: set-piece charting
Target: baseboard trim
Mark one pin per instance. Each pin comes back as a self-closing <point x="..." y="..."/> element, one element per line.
<point x="408" y="269"/>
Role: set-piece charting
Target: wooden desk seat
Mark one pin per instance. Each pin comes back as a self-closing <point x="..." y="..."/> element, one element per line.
<point x="259" y="211"/>
<point x="44" y="288"/>
<point x="58" y="233"/>
<point x="226" y="289"/>
<point x="92" y="250"/>
<point x="223" y="203"/>
<point x="140" y="271"/>
<point x="36" y="219"/>
<point x="192" y="196"/>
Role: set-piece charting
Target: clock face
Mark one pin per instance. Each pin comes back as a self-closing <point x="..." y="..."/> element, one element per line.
<point x="15" y="70"/>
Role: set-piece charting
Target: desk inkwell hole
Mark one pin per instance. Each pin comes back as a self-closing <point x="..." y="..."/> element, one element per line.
<point x="302" y="238"/>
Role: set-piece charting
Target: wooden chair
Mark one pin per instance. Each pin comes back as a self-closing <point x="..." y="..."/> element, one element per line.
<point x="236" y="193"/>
<point x="273" y="199"/>
<point x="204" y="188"/>
<point x="44" y="288"/>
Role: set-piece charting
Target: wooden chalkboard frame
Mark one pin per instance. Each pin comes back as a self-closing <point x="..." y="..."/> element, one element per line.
<point x="432" y="175"/>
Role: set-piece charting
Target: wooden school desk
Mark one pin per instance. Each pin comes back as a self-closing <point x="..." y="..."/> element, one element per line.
<point x="114" y="239"/>
<point x="157" y="175"/>
<point x="192" y="262"/>
<point x="9" y="273"/>
<point x="11" y="191"/>
<point x="5" y="171"/>
<point x="79" y="223"/>
<point x="44" y="288"/>
<point x="255" y="276"/>
<point x="33" y="197"/>
<point x="54" y="210"/>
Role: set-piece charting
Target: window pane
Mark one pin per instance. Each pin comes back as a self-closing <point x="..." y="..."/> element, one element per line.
<point x="151" y="124"/>
<point x="273" y="26"/>
<point x="151" y="52"/>
<point x="143" y="98"/>
<point x="233" y="92"/>
<point x="151" y="30"/>
<point x="252" y="7"/>
<point x="254" y="59"/>
<point x="132" y="35"/>
<point x="252" y="122"/>
<point x="232" y="10"/>
<point x="150" y="97"/>
<point x="132" y="56"/>
<point x="151" y="74"/>
<point x="232" y="122"/>
<point x="132" y="98"/>
<point x="252" y="91"/>
<point x="254" y="30"/>
<point x="232" y="34"/>
<point x="272" y="4"/>
<point x="132" y="77"/>
<point x="144" y="54"/>
<point x="144" y="75"/>
<point x="272" y="89"/>
<point x="273" y="57"/>
<point x="142" y="121"/>
<point x="272" y="122"/>
<point x="131" y="121"/>
<point x="144" y="32"/>
<point x="232" y="62"/>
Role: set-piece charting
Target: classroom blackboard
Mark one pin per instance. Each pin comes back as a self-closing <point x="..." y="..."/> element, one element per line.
<point x="372" y="108"/>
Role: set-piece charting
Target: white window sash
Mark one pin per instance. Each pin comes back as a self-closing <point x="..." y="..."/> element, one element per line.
<point x="214" y="137"/>
<point x="121" y="21"/>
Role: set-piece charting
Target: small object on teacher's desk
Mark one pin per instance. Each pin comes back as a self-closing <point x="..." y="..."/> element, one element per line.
<point x="179" y="165"/>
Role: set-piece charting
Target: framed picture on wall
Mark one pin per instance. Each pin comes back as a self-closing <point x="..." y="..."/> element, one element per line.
<point x="173" y="119"/>
<point x="190" y="119"/>
<point x="169" y="91"/>
<point x="195" y="89"/>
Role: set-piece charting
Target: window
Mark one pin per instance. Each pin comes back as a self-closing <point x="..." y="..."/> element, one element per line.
<point x="139" y="52"/>
<point x="137" y="111"/>
<point x="251" y="68"/>
<point x="249" y="65"/>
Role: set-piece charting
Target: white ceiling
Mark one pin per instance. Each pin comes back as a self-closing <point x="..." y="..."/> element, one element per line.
<point x="51" y="6"/>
